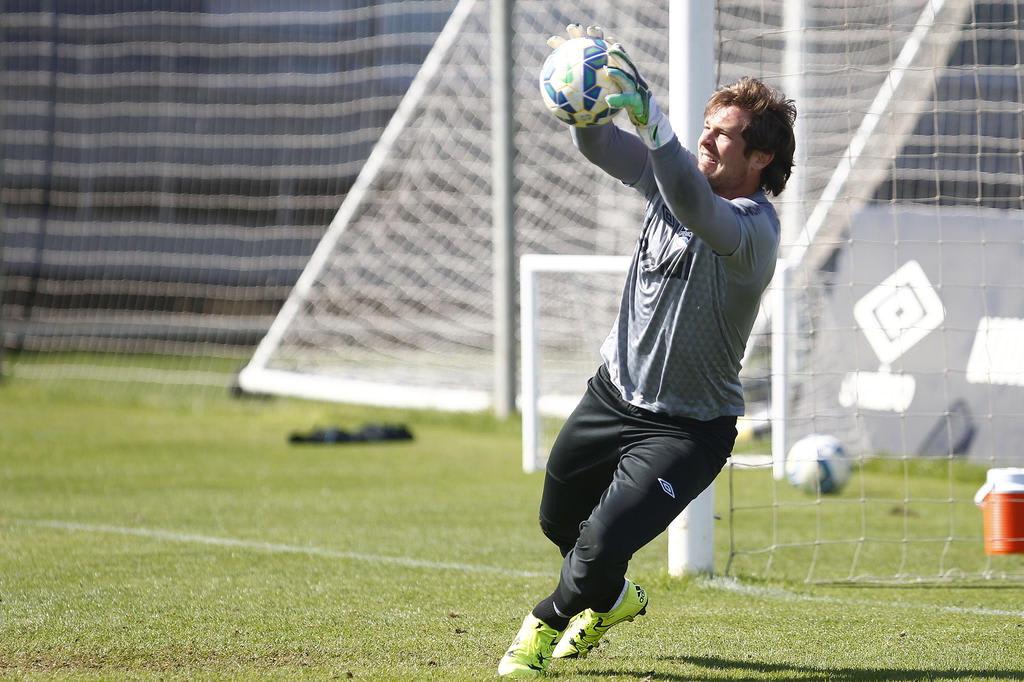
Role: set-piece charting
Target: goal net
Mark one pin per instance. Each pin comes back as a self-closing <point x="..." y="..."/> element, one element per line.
<point x="169" y="167"/>
<point x="396" y="306"/>
<point x="173" y="176"/>
<point x="901" y="304"/>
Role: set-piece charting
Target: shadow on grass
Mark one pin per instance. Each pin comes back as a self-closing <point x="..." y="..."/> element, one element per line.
<point x="733" y="670"/>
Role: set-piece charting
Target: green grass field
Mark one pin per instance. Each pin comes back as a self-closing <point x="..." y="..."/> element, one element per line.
<point x="172" y="532"/>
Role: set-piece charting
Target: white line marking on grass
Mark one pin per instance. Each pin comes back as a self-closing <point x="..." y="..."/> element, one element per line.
<point x="276" y="548"/>
<point x="181" y="377"/>
<point x="733" y="585"/>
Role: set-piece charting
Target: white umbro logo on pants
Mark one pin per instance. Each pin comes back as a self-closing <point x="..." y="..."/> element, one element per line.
<point x="667" y="487"/>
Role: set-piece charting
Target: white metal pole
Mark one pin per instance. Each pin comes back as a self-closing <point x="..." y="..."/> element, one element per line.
<point x="691" y="82"/>
<point x="794" y="23"/>
<point x="501" y="192"/>
<point x="792" y="219"/>
<point x="780" y="365"/>
<point x="528" y="346"/>
<point x="691" y="76"/>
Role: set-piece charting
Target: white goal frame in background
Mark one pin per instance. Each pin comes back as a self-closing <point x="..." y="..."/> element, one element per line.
<point x="532" y="404"/>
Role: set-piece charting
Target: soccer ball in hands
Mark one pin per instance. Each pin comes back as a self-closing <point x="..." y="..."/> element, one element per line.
<point x="573" y="83"/>
<point x="817" y="463"/>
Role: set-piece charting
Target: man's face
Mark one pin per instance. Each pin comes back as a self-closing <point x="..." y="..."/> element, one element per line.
<point x="720" y="154"/>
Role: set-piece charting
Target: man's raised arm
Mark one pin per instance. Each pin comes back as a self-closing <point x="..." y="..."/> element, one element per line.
<point x="689" y="196"/>
<point x="619" y="154"/>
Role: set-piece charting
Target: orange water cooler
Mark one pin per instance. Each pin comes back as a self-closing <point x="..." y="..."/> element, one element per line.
<point x="1002" y="507"/>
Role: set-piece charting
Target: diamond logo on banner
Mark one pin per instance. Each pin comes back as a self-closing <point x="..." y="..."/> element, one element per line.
<point x="899" y="312"/>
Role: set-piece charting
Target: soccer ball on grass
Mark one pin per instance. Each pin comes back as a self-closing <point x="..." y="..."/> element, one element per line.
<point x="573" y="82"/>
<point x="817" y="463"/>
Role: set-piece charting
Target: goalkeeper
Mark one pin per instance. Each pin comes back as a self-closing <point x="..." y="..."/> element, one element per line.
<point x="658" y="419"/>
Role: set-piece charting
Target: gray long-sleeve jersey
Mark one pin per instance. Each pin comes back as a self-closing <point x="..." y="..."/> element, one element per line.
<point x="686" y="310"/>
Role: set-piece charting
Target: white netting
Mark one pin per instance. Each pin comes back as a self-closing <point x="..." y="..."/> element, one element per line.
<point x="167" y="175"/>
<point x="169" y="167"/>
<point x="405" y="297"/>
<point x="911" y="128"/>
<point x="905" y="301"/>
<point x="414" y="259"/>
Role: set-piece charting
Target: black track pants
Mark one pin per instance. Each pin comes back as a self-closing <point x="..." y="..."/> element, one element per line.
<point x="616" y="477"/>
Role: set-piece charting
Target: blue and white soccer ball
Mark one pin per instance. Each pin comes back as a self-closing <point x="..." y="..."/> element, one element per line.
<point x="573" y="83"/>
<point x="818" y="464"/>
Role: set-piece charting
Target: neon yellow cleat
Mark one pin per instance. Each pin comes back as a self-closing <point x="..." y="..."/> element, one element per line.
<point x="586" y="630"/>
<point x="530" y="652"/>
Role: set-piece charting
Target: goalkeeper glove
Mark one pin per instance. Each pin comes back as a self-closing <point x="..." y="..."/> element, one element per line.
<point x="576" y="31"/>
<point x="636" y="98"/>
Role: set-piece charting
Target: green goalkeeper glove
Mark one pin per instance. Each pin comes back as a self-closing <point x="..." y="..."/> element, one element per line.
<point x="576" y="31"/>
<point x="636" y="98"/>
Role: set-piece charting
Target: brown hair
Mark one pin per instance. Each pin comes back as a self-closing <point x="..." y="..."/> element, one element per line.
<point x="770" y="129"/>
